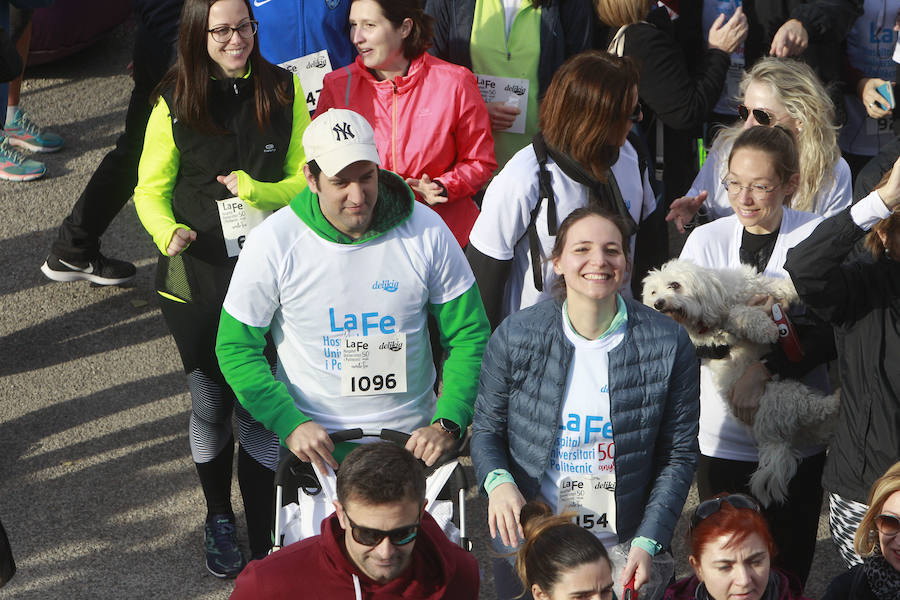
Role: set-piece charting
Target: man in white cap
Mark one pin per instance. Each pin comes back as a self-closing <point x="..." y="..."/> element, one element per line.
<point x="345" y="277"/>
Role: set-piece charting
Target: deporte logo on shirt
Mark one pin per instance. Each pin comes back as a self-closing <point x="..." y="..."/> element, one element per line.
<point x="269" y="148"/>
<point x="388" y="285"/>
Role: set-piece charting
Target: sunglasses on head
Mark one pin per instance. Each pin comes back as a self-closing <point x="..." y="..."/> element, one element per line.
<point x="887" y="524"/>
<point x="761" y="116"/>
<point x="710" y="507"/>
<point x="368" y="536"/>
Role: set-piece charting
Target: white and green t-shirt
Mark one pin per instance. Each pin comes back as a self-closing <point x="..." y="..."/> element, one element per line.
<point x="342" y="314"/>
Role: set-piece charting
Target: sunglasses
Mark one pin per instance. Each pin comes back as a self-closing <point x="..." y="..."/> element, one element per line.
<point x="635" y="115"/>
<point x="372" y="537"/>
<point x="888" y="525"/>
<point x="762" y="117"/>
<point x="710" y="507"/>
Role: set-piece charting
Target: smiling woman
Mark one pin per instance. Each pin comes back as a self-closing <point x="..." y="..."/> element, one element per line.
<point x="588" y="402"/>
<point x="219" y="101"/>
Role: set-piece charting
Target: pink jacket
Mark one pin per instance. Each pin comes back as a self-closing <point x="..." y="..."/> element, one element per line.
<point x="432" y="121"/>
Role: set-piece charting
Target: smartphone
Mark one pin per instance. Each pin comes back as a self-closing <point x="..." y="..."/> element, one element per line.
<point x="629" y="593"/>
<point x="887" y="92"/>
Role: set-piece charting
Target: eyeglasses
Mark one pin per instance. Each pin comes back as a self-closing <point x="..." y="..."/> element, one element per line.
<point x="762" y="117"/>
<point x="372" y="537"/>
<point x="888" y="525"/>
<point x="757" y="190"/>
<point x="710" y="507"/>
<point x="635" y="115"/>
<point x="223" y="33"/>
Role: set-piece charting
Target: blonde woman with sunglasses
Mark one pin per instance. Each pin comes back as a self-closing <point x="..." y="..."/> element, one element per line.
<point x="786" y="93"/>
<point x="878" y="542"/>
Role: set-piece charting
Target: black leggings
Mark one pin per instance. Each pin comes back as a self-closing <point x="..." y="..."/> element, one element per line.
<point x="794" y="523"/>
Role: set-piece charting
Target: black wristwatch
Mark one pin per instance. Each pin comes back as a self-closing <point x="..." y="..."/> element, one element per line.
<point x="449" y="427"/>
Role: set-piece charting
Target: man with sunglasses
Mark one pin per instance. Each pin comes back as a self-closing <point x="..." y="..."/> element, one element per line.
<point x="379" y="543"/>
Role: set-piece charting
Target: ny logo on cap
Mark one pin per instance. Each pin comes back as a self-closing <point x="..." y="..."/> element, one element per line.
<point x="342" y="129"/>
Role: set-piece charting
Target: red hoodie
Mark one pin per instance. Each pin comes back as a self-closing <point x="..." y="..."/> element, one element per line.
<point x="432" y="121"/>
<point x="318" y="569"/>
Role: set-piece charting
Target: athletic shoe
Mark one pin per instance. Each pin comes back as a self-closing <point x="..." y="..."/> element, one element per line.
<point x="15" y="167"/>
<point x="22" y="132"/>
<point x="101" y="270"/>
<point x="223" y="557"/>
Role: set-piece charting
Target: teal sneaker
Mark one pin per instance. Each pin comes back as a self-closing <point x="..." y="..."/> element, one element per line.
<point x="15" y="167"/>
<point x="223" y="557"/>
<point x="22" y="132"/>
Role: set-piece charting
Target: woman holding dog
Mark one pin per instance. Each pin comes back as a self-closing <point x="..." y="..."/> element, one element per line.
<point x="787" y="93"/>
<point x="763" y="174"/>
<point x="589" y="402"/>
<point x="862" y="300"/>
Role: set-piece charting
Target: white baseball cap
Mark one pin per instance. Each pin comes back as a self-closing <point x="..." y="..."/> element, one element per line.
<point x="337" y="138"/>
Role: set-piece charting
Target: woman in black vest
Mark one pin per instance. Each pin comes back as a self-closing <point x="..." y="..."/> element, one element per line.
<point x="226" y="125"/>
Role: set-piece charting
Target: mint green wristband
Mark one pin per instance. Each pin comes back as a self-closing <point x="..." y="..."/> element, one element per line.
<point x="497" y="477"/>
<point x="644" y="543"/>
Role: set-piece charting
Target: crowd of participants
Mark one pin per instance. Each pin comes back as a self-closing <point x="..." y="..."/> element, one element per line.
<point x="425" y="174"/>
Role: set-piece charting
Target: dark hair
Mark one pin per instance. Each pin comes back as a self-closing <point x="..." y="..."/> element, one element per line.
<point x="553" y="545"/>
<point x="380" y="473"/>
<point x="422" y="33"/>
<point x="775" y="141"/>
<point x="591" y="210"/>
<point x="586" y="108"/>
<point x="192" y="70"/>
<point x="886" y="226"/>
<point x="729" y="520"/>
<point x="314" y="170"/>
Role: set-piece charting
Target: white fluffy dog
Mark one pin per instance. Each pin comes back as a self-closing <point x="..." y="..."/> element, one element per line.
<point x="712" y="306"/>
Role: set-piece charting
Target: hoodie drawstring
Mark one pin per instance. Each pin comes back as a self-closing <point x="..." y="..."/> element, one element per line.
<point x="356" y="587"/>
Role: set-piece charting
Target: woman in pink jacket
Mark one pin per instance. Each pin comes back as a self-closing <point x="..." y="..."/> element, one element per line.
<point x="431" y="124"/>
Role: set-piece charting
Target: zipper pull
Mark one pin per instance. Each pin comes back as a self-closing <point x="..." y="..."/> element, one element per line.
<point x="234" y="83"/>
<point x="508" y="56"/>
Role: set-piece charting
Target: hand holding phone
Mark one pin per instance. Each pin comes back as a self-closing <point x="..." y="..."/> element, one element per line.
<point x="628" y="592"/>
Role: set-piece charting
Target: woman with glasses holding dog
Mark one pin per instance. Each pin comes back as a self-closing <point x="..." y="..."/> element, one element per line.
<point x="878" y="542"/>
<point x="226" y="124"/>
<point x="589" y="402"/>
<point x="731" y="555"/>
<point x="763" y="174"/>
<point x="787" y="93"/>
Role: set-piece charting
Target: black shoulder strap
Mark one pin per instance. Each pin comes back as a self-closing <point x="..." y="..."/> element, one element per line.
<point x="640" y="146"/>
<point x="545" y="193"/>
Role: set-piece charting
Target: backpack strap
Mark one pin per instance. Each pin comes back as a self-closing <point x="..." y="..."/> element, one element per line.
<point x="545" y="194"/>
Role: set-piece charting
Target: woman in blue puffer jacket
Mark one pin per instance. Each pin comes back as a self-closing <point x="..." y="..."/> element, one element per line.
<point x="591" y="404"/>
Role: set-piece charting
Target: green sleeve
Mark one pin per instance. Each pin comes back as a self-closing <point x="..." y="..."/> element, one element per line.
<point x="239" y="348"/>
<point x="157" y="171"/>
<point x="274" y="195"/>
<point x="464" y="334"/>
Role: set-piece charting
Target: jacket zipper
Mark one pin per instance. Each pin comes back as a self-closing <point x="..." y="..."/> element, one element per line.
<point x="394" y="126"/>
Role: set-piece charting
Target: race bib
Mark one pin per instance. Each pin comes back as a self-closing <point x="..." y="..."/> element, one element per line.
<point x="373" y="364"/>
<point x="238" y="218"/>
<point x="311" y="71"/>
<point x="510" y="91"/>
<point x="593" y="500"/>
<point x="879" y="126"/>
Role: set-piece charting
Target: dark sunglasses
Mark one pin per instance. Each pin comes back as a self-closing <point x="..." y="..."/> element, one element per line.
<point x="887" y="524"/>
<point x="372" y="537"/>
<point x="635" y="115"/>
<point x="710" y="507"/>
<point x="761" y="116"/>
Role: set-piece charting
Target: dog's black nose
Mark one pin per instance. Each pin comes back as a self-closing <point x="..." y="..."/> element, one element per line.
<point x="659" y="304"/>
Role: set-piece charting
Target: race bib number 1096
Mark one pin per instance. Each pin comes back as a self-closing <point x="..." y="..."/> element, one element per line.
<point x="373" y="364"/>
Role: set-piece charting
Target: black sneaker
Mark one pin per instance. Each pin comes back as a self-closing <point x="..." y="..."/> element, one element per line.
<point x="101" y="270"/>
<point x="223" y="557"/>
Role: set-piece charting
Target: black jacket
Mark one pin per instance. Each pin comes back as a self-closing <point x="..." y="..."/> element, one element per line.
<point x="862" y="301"/>
<point x="851" y="585"/>
<point x="567" y="28"/>
<point x="826" y="21"/>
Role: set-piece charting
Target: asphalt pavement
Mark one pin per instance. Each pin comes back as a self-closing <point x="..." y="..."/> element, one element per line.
<point x="97" y="488"/>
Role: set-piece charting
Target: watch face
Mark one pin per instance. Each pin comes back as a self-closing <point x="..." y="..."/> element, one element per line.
<point x="449" y="426"/>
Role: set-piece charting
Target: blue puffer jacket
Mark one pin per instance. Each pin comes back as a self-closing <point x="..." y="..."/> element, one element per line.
<point x="654" y="390"/>
<point x="289" y="29"/>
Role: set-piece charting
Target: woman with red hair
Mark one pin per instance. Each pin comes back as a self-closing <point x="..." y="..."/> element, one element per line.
<point x="731" y="554"/>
